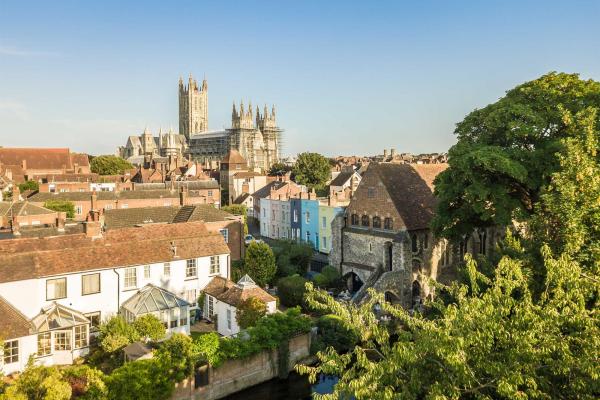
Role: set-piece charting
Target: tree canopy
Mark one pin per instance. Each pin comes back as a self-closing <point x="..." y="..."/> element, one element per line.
<point x="61" y="206"/>
<point x="109" y="165"/>
<point x="506" y="154"/>
<point x="249" y="311"/>
<point x="312" y="170"/>
<point x="259" y="263"/>
<point x="279" y="168"/>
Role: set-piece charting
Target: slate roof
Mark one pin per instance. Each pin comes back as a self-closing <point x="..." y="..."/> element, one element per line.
<point x="13" y="324"/>
<point x="234" y="293"/>
<point x="30" y="258"/>
<point x="410" y="187"/>
<point x="342" y="178"/>
<point x="128" y="217"/>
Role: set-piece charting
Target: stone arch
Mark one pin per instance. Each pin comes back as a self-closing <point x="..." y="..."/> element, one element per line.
<point x="353" y="282"/>
<point x="416" y="292"/>
<point x="392" y="297"/>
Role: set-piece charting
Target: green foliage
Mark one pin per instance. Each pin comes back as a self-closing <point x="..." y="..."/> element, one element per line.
<point x="328" y="277"/>
<point x="506" y="154"/>
<point x="61" y="206"/>
<point x="238" y="209"/>
<point x="249" y="311"/>
<point x="29" y="185"/>
<point x="312" y="170"/>
<point x="279" y="169"/>
<point x="116" y="333"/>
<point x="292" y="257"/>
<point x="291" y="290"/>
<point x="86" y="383"/>
<point x="177" y="352"/>
<point x="140" y="380"/>
<point x="333" y="332"/>
<point x="149" y="327"/>
<point x="237" y="270"/>
<point x="207" y="348"/>
<point x="39" y="382"/>
<point x="109" y="165"/>
<point x="259" y="263"/>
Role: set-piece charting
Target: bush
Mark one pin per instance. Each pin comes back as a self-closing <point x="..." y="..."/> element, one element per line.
<point x="109" y="165"/>
<point x="177" y="353"/>
<point x="61" y="206"/>
<point x="207" y="348"/>
<point x="329" y="277"/>
<point x="333" y="332"/>
<point x="259" y="263"/>
<point x="149" y="327"/>
<point x="249" y="311"/>
<point x="292" y="257"/>
<point x="116" y="333"/>
<point x="39" y="382"/>
<point x="140" y="380"/>
<point x="29" y="185"/>
<point x="291" y="290"/>
<point x="86" y="383"/>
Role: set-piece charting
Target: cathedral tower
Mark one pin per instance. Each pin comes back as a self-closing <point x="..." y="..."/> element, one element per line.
<point x="271" y="133"/>
<point x="193" y="107"/>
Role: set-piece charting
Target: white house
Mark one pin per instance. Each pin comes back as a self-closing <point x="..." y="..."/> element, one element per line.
<point x="92" y="276"/>
<point x="222" y="297"/>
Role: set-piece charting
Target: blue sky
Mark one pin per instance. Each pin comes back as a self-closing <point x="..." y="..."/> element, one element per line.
<point x="346" y="77"/>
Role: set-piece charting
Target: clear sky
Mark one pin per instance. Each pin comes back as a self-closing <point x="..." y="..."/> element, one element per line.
<point x="346" y="77"/>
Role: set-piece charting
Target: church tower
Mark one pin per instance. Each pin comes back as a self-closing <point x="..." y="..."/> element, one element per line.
<point x="271" y="133"/>
<point x="193" y="107"/>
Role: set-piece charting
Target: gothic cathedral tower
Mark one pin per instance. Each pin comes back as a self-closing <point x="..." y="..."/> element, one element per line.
<point x="193" y="107"/>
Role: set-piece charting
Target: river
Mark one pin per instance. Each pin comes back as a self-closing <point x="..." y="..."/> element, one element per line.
<point x="295" y="387"/>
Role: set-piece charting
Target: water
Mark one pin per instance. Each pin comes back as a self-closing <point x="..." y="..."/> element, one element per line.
<point x="295" y="387"/>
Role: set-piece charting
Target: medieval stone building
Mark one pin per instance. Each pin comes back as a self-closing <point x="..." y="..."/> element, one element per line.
<point x="254" y="134"/>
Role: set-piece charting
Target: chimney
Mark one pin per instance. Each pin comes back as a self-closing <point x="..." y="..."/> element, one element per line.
<point x="312" y="195"/>
<point x="92" y="229"/>
<point x="60" y="221"/>
<point x="24" y="165"/>
<point x="183" y="196"/>
<point x="16" y="193"/>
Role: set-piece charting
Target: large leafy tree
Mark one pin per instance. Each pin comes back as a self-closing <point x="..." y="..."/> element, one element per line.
<point x="259" y="263"/>
<point x="506" y="154"/>
<point x="109" y="165"/>
<point x="249" y="311"/>
<point x="312" y="170"/>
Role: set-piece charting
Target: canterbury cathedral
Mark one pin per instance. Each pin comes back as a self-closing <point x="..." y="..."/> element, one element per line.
<point x="253" y="133"/>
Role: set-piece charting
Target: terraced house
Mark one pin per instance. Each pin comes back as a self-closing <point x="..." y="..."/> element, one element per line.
<point x="54" y="291"/>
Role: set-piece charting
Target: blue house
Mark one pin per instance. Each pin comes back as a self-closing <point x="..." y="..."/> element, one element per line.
<point x="305" y="219"/>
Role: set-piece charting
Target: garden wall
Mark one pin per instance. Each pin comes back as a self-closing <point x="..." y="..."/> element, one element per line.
<point x="235" y="375"/>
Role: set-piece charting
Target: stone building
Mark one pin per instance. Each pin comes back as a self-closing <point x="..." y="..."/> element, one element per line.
<point x="193" y="107"/>
<point x="139" y="148"/>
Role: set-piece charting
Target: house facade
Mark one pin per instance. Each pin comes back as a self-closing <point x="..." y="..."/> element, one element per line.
<point x="305" y="218"/>
<point x="94" y="275"/>
<point x="327" y="214"/>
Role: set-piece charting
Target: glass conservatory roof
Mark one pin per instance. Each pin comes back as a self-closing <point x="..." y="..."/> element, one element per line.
<point x="56" y="316"/>
<point x="152" y="298"/>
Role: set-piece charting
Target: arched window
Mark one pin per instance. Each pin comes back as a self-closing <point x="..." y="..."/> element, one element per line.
<point x="354" y="219"/>
<point x="364" y="221"/>
<point x="414" y="243"/>
<point x="482" y="240"/>
<point x="377" y="222"/>
<point x="388" y="224"/>
<point x="426" y="241"/>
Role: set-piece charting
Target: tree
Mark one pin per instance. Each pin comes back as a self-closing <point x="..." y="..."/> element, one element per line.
<point x="495" y="340"/>
<point x="86" y="383"/>
<point x="149" y="327"/>
<point x="259" y="263"/>
<point x="291" y="290"/>
<point x="140" y="380"/>
<point x="39" y="382"/>
<point x="249" y="311"/>
<point x="109" y="165"/>
<point x="328" y="277"/>
<point x="61" y="206"/>
<point x="29" y="185"/>
<point x="238" y="209"/>
<point x="279" y="168"/>
<point x="312" y="170"/>
<point x="506" y="154"/>
<point x="116" y="333"/>
<point x="333" y="332"/>
<point x="177" y="352"/>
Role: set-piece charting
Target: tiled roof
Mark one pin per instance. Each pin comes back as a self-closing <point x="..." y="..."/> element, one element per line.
<point x="32" y="258"/>
<point x="233" y="157"/>
<point x="191" y="185"/>
<point x="410" y="187"/>
<point x="125" y="194"/>
<point x="246" y="174"/>
<point x="241" y="198"/>
<point x="22" y="208"/>
<point x="233" y="294"/>
<point x="37" y="158"/>
<point x="266" y="190"/>
<point x="342" y="178"/>
<point x="128" y="217"/>
<point x="13" y="324"/>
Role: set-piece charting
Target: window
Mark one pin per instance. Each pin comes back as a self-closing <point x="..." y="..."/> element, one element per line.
<point x="215" y="268"/>
<point x="56" y="289"/>
<point x="225" y="233"/>
<point x="190" y="268"/>
<point x="174" y="317"/>
<point x="11" y="351"/>
<point x="62" y="340"/>
<point x="364" y="220"/>
<point x="426" y="241"/>
<point x="264" y="212"/>
<point x="325" y="242"/>
<point x="130" y="277"/>
<point x="377" y="222"/>
<point x="414" y="243"/>
<point x="371" y="192"/>
<point x="370" y="247"/>
<point x="388" y="224"/>
<point x="78" y="210"/>
<point x="81" y="336"/>
<point x="190" y="296"/>
<point x="273" y="214"/>
<point x="228" y="319"/>
<point x="308" y="236"/>
<point x="125" y="205"/>
<point x="307" y="217"/>
<point x="211" y="306"/>
<point x="209" y="193"/>
<point x="183" y="321"/>
<point x="167" y="269"/>
<point x="90" y="284"/>
<point x="44" y="343"/>
<point x="295" y="215"/>
<point x="94" y="320"/>
<point x="482" y="240"/>
<point x="354" y="219"/>
<point x="146" y="272"/>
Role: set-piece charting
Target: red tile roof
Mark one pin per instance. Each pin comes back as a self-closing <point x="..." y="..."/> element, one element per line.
<point x="37" y="158"/>
<point x="13" y="324"/>
<point x="228" y="292"/>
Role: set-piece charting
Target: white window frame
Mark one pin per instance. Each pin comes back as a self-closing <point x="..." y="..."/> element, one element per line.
<point x="191" y="268"/>
<point x="80" y="333"/>
<point x="62" y="343"/>
<point x="167" y="270"/>
<point x="83" y="278"/>
<point x="55" y="296"/>
<point x="44" y="344"/>
<point x="229" y="319"/>
<point x="10" y="352"/>
<point x="225" y="233"/>
<point x="147" y="272"/>
<point x="215" y="265"/>
<point x="132" y="272"/>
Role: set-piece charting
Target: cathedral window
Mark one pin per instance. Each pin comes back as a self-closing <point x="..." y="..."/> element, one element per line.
<point x="388" y="224"/>
<point x="364" y="220"/>
<point x="376" y="222"/>
<point x="354" y="219"/>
